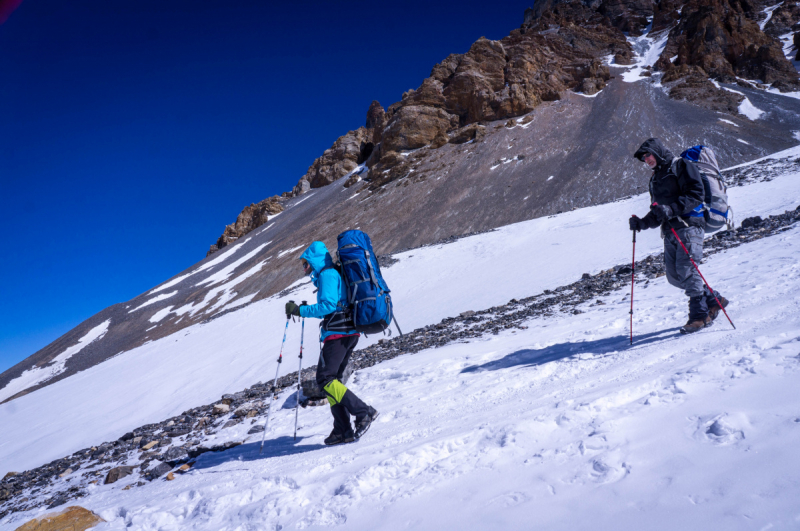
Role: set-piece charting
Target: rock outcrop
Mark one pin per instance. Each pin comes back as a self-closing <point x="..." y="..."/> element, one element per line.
<point x="564" y="49"/>
<point x="251" y="217"/>
<point x="341" y="158"/>
<point x="71" y="519"/>
<point x="724" y="40"/>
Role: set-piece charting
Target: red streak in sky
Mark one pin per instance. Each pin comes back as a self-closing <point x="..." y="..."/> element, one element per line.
<point x="7" y="7"/>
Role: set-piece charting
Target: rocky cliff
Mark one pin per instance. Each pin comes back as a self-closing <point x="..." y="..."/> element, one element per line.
<point x="566" y="46"/>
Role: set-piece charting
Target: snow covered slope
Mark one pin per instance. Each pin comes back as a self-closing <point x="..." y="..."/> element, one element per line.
<point x="562" y="425"/>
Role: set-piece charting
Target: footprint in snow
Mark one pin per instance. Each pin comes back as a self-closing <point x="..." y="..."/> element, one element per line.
<point x="604" y="472"/>
<point x="718" y="431"/>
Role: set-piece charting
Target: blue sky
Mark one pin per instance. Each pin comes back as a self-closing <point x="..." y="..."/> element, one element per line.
<point x="132" y="132"/>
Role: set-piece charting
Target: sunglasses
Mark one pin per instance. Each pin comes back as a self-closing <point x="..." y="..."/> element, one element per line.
<point x="306" y="265"/>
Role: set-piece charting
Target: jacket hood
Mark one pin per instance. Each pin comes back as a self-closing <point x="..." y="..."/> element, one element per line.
<point x="653" y="145"/>
<point x="318" y="256"/>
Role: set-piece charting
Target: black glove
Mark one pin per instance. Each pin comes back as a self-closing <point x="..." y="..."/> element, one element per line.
<point x="636" y="223"/>
<point x="661" y="212"/>
<point x="292" y="309"/>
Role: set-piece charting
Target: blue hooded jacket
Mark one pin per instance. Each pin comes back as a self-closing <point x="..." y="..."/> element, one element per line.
<point x="331" y="290"/>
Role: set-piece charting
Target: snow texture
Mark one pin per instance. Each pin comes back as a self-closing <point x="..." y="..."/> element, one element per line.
<point x="648" y="48"/>
<point x="155" y="299"/>
<point x="54" y="367"/>
<point x="564" y="424"/>
<point x="768" y="12"/>
<point x="227" y="271"/>
<point x="287" y="251"/>
<point x="746" y="108"/>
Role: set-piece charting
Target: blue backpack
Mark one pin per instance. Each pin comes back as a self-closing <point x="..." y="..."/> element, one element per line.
<point x="367" y="293"/>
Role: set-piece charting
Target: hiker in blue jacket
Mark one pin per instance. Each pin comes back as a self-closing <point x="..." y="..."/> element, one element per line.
<point x="339" y="338"/>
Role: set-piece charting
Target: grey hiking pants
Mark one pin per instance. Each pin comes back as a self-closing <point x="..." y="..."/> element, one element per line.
<point x="682" y="274"/>
<point x="680" y="271"/>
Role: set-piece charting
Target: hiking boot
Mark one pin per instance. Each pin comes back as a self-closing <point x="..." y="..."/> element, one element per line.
<point x="713" y="311"/>
<point x="363" y="425"/>
<point x="693" y="326"/>
<point x="339" y="438"/>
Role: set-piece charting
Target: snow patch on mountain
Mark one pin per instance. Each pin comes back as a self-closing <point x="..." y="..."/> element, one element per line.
<point x="287" y="251"/>
<point x="768" y="11"/>
<point x="648" y="48"/>
<point x="227" y="271"/>
<point x="55" y="366"/>
<point x="228" y="252"/>
<point x="155" y="299"/>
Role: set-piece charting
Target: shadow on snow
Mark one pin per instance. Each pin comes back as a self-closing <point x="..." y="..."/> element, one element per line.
<point x="280" y="447"/>
<point x="534" y="357"/>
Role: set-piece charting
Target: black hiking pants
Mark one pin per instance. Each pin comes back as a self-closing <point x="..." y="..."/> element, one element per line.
<point x="332" y="361"/>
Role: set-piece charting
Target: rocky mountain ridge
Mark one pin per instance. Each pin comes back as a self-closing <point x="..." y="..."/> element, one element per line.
<point x="447" y="160"/>
<point x="565" y="46"/>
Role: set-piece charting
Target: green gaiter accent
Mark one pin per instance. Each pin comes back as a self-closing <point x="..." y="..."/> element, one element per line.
<point x="335" y="391"/>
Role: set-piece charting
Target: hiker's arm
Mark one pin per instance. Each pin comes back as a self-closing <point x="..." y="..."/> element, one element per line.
<point x="692" y="190"/>
<point x="327" y="296"/>
<point x="650" y="221"/>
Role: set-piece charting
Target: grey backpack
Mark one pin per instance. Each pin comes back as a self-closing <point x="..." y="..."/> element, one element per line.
<point x="715" y="208"/>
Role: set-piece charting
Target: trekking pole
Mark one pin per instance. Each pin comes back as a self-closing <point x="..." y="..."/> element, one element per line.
<point x="633" y="272"/>
<point x="274" y="386"/>
<point x="397" y="325"/>
<point x="701" y="276"/>
<point x="299" y="373"/>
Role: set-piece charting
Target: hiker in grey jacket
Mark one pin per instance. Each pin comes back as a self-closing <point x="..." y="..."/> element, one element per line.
<point x="676" y="197"/>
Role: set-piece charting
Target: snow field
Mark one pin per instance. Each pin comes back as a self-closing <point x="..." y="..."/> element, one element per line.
<point x="560" y="425"/>
<point x="197" y="365"/>
<point x="563" y="425"/>
<point x="55" y="367"/>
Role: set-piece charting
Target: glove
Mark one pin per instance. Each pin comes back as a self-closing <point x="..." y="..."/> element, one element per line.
<point x="292" y="309"/>
<point x="636" y="223"/>
<point x="661" y="212"/>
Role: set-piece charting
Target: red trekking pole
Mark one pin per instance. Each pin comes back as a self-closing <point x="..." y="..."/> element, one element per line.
<point x="633" y="271"/>
<point x="701" y="276"/>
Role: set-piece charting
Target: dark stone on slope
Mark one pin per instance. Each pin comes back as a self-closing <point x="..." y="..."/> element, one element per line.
<point x="157" y="471"/>
<point x="117" y="473"/>
<point x="175" y="454"/>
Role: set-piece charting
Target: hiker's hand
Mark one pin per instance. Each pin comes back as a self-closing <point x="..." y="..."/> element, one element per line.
<point x="661" y="212"/>
<point x="636" y="223"/>
<point x="292" y="309"/>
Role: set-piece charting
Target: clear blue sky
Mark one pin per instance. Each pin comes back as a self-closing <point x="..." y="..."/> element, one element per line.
<point x="133" y="131"/>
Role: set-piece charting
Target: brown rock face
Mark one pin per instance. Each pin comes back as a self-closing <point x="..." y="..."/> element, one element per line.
<point x="251" y="217"/>
<point x="723" y="38"/>
<point x="625" y="15"/>
<point x="465" y="134"/>
<point x="414" y="126"/>
<point x="376" y="120"/>
<point x="340" y="159"/>
<point x="785" y="19"/>
<point x="502" y="79"/>
<point x="695" y="87"/>
<point x="70" y="519"/>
